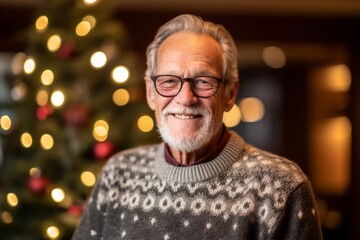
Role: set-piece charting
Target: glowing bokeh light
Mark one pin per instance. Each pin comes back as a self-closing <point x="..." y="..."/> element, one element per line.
<point x="47" y="77"/>
<point x="90" y="19"/>
<point x="100" y="130"/>
<point x="34" y="172"/>
<point x="42" y="97"/>
<point x="46" y="141"/>
<point x="145" y="123"/>
<point x="29" y="65"/>
<point x="5" y="122"/>
<point x="26" y="140"/>
<point x="83" y="28"/>
<point x="337" y="78"/>
<point x="17" y="63"/>
<point x="12" y="199"/>
<point x="120" y="74"/>
<point x="6" y="217"/>
<point x="41" y="23"/>
<point x="54" y="43"/>
<point x="53" y="232"/>
<point x="233" y="117"/>
<point x="88" y="178"/>
<point x="252" y="109"/>
<point x="121" y="97"/>
<point x="90" y="2"/>
<point x="98" y="59"/>
<point x="57" y="98"/>
<point x="274" y="57"/>
<point x="58" y="195"/>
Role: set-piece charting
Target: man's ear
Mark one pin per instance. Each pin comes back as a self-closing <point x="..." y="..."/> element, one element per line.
<point x="231" y="96"/>
<point x="150" y="94"/>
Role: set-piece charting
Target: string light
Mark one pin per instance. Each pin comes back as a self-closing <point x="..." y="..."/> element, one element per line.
<point x="29" y="65"/>
<point x="12" y="199"/>
<point x="26" y="140"/>
<point x="121" y="97"/>
<point x="34" y="172"/>
<point x="54" y="43"/>
<point x="88" y="178"/>
<point x="6" y="217"/>
<point x="47" y="77"/>
<point x="57" y="98"/>
<point x="41" y="23"/>
<point x="58" y="195"/>
<point x="90" y="19"/>
<point x="100" y="130"/>
<point x="53" y="232"/>
<point x="98" y="59"/>
<point x="46" y="141"/>
<point x="233" y="117"/>
<point x="5" y="122"/>
<point x="120" y="74"/>
<point x="145" y="123"/>
<point x="42" y="97"/>
<point x="83" y="28"/>
<point x="90" y="2"/>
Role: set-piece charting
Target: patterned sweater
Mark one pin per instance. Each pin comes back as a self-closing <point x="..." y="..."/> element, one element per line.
<point x="244" y="193"/>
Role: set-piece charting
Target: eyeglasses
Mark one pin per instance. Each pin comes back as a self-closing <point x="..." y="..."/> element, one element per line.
<point x="201" y="86"/>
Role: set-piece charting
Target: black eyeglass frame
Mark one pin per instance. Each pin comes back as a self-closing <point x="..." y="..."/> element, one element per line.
<point x="190" y="80"/>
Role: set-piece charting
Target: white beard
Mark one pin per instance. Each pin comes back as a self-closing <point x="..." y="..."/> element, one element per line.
<point x="182" y="142"/>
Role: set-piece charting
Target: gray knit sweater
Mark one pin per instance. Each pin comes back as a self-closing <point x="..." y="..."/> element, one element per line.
<point x="244" y="193"/>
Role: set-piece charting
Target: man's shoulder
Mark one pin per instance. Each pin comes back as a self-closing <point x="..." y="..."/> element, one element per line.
<point x="265" y="166"/>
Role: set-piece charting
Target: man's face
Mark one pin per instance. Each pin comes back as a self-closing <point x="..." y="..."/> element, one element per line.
<point x="187" y="122"/>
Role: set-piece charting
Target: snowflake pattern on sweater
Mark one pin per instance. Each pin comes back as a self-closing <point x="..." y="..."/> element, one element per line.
<point x="244" y="193"/>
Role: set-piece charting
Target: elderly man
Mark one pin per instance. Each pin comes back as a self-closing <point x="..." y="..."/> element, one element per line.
<point x="203" y="182"/>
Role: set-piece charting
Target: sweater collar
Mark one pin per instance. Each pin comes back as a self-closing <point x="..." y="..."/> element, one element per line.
<point x="230" y="153"/>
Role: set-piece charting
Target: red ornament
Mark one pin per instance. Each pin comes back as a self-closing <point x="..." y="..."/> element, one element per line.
<point x="103" y="150"/>
<point x="44" y="111"/>
<point x="38" y="185"/>
<point x="75" y="210"/>
<point x="76" y="114"/>
<point x="67" y="50"/>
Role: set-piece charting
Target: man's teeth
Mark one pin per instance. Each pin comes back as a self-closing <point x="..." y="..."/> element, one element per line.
<point x="184" y="116"/>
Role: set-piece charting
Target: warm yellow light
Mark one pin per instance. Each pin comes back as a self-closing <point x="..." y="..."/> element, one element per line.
<point x="120" y="74"/>
<point x="42" y="97"/>
<point x="121" y="97"/>
<point x="34" y="172"/>
<point x="90" y="19"/>
<point x="47" y="77"/>
<point x="26" y="140"/>
<point x="12" y="199"/>
<point x="337" y="78"/>
<point x="29" y="65"/>
<point x="88" y="178"/>
<point x="90" y="2"/>
<point x="6" y="217"/>
<point x="83" y="28"/>
<point x="274" y="57"/>
<point x="57" y="98"/>
<point x="100" y="130"/>
<point x="5" y="122"/>
<point x="145" y="123"/>
<point x="17" y="63"/>
<point x="54" y="43"/>
<point x="58" y="195"/>
<point x="252" y="109"/>
<point x="98" y="59"/>
<point x="41" y="23"/>
<point x="46" y="141"/>
<point x="233" y="117"/>
<point x="53" y="232"/>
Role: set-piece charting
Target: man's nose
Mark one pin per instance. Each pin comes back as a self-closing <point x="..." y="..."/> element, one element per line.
<point x="186" y="97"/>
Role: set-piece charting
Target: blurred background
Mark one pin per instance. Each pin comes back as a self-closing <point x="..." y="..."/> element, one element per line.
<point x="72" y="94"/>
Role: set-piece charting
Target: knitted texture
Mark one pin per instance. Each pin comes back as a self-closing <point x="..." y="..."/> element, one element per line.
<point x="244" y="193"/>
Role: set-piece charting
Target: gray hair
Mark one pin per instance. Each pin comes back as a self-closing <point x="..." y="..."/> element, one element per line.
<point x="194" y="24"/>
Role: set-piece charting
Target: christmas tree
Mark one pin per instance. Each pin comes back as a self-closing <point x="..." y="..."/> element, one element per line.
<point x="77" y="97"/>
